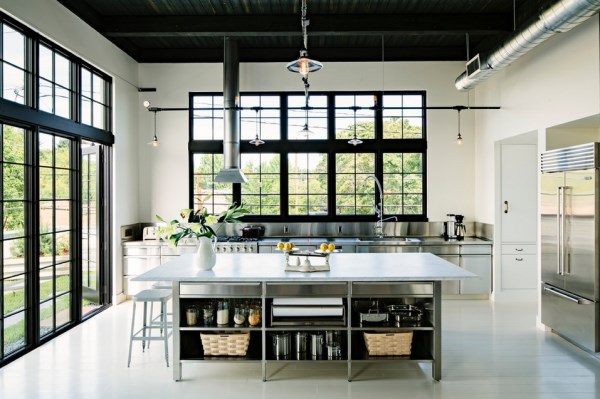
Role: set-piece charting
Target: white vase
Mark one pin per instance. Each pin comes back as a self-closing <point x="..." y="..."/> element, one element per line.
<point x="205" y="257"/>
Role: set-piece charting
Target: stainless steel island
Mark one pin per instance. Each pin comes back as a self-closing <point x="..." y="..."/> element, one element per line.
<point x="353" y="280"/>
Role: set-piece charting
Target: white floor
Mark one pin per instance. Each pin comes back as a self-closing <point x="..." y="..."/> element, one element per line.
<point x="490" y="350"/>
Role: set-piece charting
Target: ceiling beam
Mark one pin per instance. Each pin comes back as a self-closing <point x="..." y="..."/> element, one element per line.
<point x="289" y="25"/>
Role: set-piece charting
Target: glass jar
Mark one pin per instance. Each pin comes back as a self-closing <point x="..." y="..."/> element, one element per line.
<point x="208" y="313"/>
<point x="191" y="316"/>
<point x="239" y="316"/>
<point x="255" y="315"/>
<point x="223" y="312"/>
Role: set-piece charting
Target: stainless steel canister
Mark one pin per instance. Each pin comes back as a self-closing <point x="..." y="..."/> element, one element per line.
<point x="316" y="344"/>
<point x="281" y="345"/>
<point x="301" y="344"/>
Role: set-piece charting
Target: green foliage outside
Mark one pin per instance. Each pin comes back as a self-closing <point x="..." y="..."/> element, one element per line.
<point x="403" y="178"/>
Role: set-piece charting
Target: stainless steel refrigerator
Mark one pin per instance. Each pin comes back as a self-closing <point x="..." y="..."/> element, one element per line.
<point x="569" y="207"/>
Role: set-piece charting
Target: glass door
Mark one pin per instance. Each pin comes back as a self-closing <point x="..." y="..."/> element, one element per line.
<point x="91" y="273"/>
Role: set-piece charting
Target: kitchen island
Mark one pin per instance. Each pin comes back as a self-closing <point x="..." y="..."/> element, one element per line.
<point x="353" y="279"/>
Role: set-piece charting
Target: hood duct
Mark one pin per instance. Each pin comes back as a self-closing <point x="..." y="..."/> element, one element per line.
<point x="560" y="17"/>
<point x="231" y="172"/>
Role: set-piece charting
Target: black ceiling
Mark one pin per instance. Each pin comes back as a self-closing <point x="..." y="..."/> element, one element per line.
<point x="270" y="30"/>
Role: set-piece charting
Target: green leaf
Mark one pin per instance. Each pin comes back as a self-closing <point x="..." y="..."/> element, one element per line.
<point x="160" y="219"/>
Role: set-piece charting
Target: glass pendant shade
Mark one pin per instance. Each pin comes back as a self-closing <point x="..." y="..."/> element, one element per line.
<point x="304" y="65"/>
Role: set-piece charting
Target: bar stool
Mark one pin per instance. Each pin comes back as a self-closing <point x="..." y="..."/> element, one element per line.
<point x="161" y="285"/>
<point x="145" y="333"/>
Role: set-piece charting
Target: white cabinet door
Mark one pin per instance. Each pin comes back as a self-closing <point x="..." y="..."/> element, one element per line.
<point x="519" y="193"/>
<point x="481" y="265"/>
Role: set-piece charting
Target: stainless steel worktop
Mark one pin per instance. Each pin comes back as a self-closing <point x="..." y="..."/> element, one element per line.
<point x="375" y="240"/>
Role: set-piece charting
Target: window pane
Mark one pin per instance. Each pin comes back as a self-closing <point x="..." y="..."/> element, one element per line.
<point x="215" y="197"/>
<point x="86" y="111"/>
<point x="46" y="183"/>
<point x="62" y="102"/>
<point x="98" y="115"/>
<point x="86" y="83"/>
<point x="307" y="175"/>
<point x="62" y="184"/>
<point x="63" y="315"/>
<point x="14" y="181"/>
<point x="13" y="46"/>
<point x="14" y="333"/>
<point x="403" y="183"/>
<point x="46" y="145"/>
<point x="14" y="257"/>
<point x="14" y="219"/>
<point x="62" y="72"/>
<point x="46" y="216"/>
<point x="98" y="89"/>
<point x="13" y="144"/>
<point x="63" y="215"/>
<point x="62" y="152"/>
<point x="45" y="62"/>
<point x="14" y="294"/>
<point x="46" y="96"/>
<point x="14" y="84"/>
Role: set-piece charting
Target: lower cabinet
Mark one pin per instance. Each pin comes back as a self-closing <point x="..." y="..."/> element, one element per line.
<point x="271" y="322"/>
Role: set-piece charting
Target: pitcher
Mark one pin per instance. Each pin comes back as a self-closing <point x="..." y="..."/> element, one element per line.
<point x="205" y="257"/>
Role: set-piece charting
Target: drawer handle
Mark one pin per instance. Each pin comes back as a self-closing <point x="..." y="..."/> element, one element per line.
<point x="518" y="249"/>
<point x="519" y="259"/>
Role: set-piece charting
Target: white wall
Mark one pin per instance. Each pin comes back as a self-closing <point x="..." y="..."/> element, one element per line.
<point x="51" y="19"/>
<point x="164" y="181"/>
<point x="557" y="82"/>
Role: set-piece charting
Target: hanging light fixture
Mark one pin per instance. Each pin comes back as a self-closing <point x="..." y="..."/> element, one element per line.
<point x="354" y="140"/>
<point x="305" y="132"/>
<point x="459" y="138"/>
<point x="148" y="106"/>
<point x="257" y="141"/>
<point x="303" y="64"/>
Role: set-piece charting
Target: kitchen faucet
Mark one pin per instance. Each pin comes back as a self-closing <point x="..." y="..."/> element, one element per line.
<point x="379" y="209"/>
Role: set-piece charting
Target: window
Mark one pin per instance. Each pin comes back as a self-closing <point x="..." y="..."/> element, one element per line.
<point x="94" y="99"/>
<point x="54" y="85"/>
<point x="207" y="117"/>
<point x="215" y="197"/>
<point x="316" y="175"/>
<point x="56" y="231"/>
<point x="354" y="112"/>
<point x="307" y="177"/>
<point x="354" y="196"/>
<point x="14" y="73"/>
<point x="14" y="277"/>
<point x="402" y="184"/>
<point x="261" y="195"/>
<point x="55" y="264"/>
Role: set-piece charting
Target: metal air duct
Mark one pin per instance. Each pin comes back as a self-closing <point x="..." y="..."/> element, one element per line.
<point x="231" y="172"/>
<point x="559" y="17"/>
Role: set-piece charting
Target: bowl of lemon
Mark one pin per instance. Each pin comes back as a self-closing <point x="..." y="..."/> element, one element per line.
<point x="286" y="246"/>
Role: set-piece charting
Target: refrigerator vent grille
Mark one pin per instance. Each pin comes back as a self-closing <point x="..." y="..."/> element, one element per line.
<point x="578" y="157"/>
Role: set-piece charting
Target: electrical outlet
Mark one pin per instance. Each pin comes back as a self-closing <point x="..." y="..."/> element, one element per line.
<point x="286" y="229"/>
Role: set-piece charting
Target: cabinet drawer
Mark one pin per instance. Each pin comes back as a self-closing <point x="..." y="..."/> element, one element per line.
<point x="519" y="271"/>
<point x="220" y="289"/>
<point x="449" y="249"/>
<point x="307" y="289"/>
<point x="182" y="249"/>
<point x="386" y="289"/>
<point x="516" y="249"/>
<point x="140" y="250"/>
<point x="134" y="265"/>
<point x="475" y="249"/>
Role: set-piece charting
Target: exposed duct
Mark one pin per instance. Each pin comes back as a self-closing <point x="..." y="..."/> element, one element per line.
<point x="231" y="172"/>
<point x="560" y="17"/>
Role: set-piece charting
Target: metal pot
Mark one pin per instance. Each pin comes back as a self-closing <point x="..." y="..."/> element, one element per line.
<point x="253" y="231"/>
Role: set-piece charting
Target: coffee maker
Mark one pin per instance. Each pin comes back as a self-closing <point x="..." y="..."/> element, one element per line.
<point x="450" y="227"/>
<point x="459" y="228"/>
<point x="454" y="229"/>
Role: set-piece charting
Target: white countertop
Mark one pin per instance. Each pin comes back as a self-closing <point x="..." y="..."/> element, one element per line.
<point x="344" y="267"/>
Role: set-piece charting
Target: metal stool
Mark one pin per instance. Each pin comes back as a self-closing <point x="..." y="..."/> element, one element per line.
<point x="161" y="285"/>
<point x="145" y="333"/>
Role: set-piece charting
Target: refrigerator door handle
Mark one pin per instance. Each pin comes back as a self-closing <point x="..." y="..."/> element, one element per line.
<point x="577" y="300"/>
<point x="558" y="232"/>
<point x="566" y="256"/>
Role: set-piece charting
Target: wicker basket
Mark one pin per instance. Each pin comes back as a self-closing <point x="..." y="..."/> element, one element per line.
<point x="231" y="344"/>
<point x="389" y="343"/>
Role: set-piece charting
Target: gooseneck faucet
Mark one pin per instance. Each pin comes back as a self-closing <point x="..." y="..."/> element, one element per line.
<point x="379" y="208"/>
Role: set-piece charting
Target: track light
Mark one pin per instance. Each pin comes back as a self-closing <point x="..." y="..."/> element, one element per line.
<point x="303" y="65"/>
<point x="355" y="140"/>
<point x="154" y="141"/>
<point x="257" y="141"/>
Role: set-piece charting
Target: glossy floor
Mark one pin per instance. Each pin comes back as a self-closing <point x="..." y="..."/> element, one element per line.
<point x="490" y="350"/>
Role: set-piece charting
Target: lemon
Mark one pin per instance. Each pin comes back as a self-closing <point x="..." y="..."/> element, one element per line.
<point x="331" y="247"/>
<point x="287" y="246"/>
<point x="291" y="245"/>
<point x="280" y="245"/>
<point x="323" y="247"/>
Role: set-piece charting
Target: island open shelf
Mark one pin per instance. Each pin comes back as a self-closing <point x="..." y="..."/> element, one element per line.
<point x="410" y="280"/>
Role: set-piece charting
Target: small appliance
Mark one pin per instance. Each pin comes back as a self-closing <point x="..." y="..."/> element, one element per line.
<point x="450" y="227"/>
<point x="459" y="228"/>
<point x="150" y="233"/>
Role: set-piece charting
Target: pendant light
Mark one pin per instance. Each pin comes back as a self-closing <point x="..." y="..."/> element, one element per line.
<point x="154" y="141"/>
<point x="459" y="138"/>
<point x="354" y="140"/>
<point x="303" y="65"/>
<point x="257" y="141"/>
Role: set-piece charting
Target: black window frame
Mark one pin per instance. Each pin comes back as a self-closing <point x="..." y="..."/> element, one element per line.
<point x="331" y="146"/>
